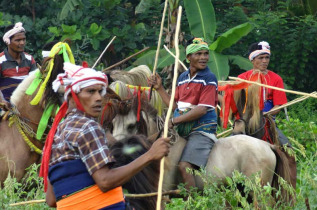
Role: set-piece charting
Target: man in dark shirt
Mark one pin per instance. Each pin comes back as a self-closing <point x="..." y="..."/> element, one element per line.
<point x="15" y="64"/>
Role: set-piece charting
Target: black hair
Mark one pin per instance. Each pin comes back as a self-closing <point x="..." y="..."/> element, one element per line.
<point x="190" y="41"/>
<point x="8" y="28"/>
<point x="50" y="45"/>
<point x="254" y="46"/>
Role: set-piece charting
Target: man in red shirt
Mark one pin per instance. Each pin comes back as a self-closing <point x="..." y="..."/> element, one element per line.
<point x="259" y="55"/>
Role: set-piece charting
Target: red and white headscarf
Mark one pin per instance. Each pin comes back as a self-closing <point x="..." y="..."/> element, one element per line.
<point x="16" y="29"/>
<point x="265" y="49"/>
<point x="73" y="80"/>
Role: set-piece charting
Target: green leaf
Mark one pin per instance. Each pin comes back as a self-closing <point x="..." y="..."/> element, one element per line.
<point x="69" y="29"/>
<point x="148" y="58"/>
<point x="95" y="29"/>
<point x="54" y="30"/>
<point x="145" y="5"/>
<point x="69" y="6"/>
<point x="95" y="43"/>
<point x="231" y="37"/>
<point x="242" y="62"/>
<point x="218" y="64"/>
<point x="201" y="18"/>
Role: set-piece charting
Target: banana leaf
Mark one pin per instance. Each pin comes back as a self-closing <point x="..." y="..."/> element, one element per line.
<point x="201" y="18"/>
<point x="231" y="37"/>
<point x="219" y="65"/>
<point x="242" y="62"/>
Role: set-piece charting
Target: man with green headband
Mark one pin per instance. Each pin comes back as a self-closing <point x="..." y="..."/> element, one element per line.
<point x="195" y="101"/>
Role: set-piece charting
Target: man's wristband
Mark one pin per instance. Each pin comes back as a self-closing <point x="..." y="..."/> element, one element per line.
<point x="172" y="120"/>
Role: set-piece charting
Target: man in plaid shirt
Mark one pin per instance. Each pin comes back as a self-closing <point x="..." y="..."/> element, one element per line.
<point x="76" y="158"/>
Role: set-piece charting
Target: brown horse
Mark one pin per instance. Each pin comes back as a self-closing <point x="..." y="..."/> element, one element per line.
<point x="19" y="147"/>
<point x="242" y="153"/>
<point x="253" y="123"/>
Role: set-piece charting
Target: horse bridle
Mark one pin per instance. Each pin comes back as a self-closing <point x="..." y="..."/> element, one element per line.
<point x="246" y="127"/>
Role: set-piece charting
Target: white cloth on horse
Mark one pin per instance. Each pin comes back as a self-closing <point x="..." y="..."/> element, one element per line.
<point x="265" y="49"/>
<point x="78" y="77"/>
<point x="16" y="29"/>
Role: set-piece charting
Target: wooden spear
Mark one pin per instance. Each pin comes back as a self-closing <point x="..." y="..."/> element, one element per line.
<point x="275" y="88"/>
<point x="126" y="59"/>
<point x="103" y="52"/>
<point x="169" y="111"/>
<point x="125" y="195"/>
<point x="159" y="44"/>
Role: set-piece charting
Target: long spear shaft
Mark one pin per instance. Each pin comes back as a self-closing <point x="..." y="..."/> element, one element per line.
<point x="169" y="112"/>
<point x="159" y="44"/>
<point x="103" y="52"/>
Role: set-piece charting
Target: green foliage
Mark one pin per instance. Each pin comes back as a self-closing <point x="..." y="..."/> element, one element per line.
<point x="201" y="18"/>
<point x="31" y="189"/>
<point x="69" y="6"/>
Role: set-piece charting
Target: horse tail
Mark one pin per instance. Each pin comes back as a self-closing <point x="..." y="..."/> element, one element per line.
<point x="284" y="171"/>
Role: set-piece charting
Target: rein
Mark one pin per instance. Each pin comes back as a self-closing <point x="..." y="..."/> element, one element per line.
<point x="24" y="128"/>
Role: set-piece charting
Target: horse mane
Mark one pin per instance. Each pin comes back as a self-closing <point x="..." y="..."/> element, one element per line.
<point x="247" y="101"/>
<point x="136" y="76"/>
<point x="19" y="93"/>
<point x="50" y="96"/>
<point x="143" y="182"/>
<point x="121" y="89"/>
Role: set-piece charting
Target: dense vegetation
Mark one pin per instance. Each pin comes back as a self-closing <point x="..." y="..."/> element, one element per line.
<point x="289" y="26"/>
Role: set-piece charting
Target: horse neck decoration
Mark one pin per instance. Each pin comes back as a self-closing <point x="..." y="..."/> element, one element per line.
<point x="127" y="83"/>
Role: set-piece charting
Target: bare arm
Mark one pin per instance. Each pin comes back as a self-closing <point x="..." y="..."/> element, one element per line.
<point x="50" y="196"/>
<point x="277" y="111"/>
<point x="156" y="81"/>
<point x="107" y="178"/>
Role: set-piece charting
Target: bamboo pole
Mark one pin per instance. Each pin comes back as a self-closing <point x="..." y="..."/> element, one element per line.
<point x="103" y="52"/>
<point x="290" y="103"/>
<point x="158" y="44"/>
<point x="125" y="195"/>
<point x="160" y="38"/>
<point x="169" y="111"/>
<point x="275" y="88"/>
<point x="126" y="59"/>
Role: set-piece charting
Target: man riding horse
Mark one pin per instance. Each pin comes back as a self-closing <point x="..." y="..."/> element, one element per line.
<point x="76" y="164"/>
<point x="259" y="55"/>
<point x="194" y="104"/>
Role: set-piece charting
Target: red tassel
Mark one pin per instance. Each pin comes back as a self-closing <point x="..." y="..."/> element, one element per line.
<point x="75" y="97"/>
<point x="48" y="143"/>
<point x="139" y="104"/>
<point x="103" y="112"/>
<point x="85" y="64"/>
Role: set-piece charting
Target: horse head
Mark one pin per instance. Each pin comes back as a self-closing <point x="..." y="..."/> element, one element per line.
<point x="128" y="117"/>
<point x="251" y="121"/>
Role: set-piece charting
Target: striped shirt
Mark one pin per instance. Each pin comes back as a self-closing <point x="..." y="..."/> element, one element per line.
<point x="12" y="73"/>
<point x="81" y="137"/>
<point x="200" y="90"/>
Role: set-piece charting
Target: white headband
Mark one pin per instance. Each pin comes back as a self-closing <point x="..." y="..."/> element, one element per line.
<point x="265" y="50"/>
<point x="45" y="53"/>
<point x="16" y="29"/>
<point x="77" y="77"/>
